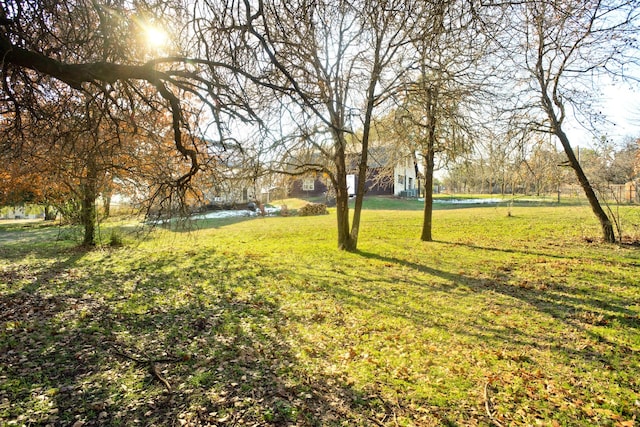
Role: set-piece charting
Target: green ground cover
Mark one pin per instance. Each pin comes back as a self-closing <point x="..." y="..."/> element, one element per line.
<point x="463" y="201"/>
<point x="504" y="320"/>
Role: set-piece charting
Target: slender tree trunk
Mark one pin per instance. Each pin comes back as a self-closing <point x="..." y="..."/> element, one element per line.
<point x="431" y="108"/>
<point x="106" y="203"/>
<point x="428" y="197"/>
<point x="360" y="191"/>
<point x="88" y="208"/>
<point x="364" y="155"/>
<point x="342" y="201"/>
<point x="49" y="213"/>
<point x="605" y="223"/>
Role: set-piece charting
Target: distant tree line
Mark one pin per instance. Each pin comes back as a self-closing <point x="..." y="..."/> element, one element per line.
<point x="540" y="169"/>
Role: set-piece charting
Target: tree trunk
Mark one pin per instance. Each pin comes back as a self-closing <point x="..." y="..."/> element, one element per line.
<point x="431" y="107"/>
<point x="88" y="208"/>
<point x="342" y="214"/>
<point x="49" y="213"/>
<point x="342" y="201"/>
<point x="344" y="238"/>
<point x="605" y="223"/>
<point x="428" y="197"/>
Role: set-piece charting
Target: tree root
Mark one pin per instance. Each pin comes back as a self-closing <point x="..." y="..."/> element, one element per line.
<point x="153" y="366"/>
<point x="487" y="406"/>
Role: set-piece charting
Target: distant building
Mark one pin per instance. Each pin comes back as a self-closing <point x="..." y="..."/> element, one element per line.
<point x="387" y="174"/>
<point x="21" y="212"/>
<point x="393" y="173"/>
<point x="309" y="185"/>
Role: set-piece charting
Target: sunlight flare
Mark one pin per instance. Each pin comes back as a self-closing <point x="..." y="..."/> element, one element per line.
<point x="156" y="38"/>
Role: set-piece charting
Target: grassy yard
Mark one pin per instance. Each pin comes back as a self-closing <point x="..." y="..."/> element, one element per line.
<point x="519" y="319"/>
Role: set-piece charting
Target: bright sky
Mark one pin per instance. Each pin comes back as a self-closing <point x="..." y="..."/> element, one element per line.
<point x="622" y="106"/>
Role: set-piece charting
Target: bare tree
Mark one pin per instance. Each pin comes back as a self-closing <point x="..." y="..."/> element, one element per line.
<point x="330" y="64"/>
<point x="438" y="112"/>
<point x="541" y="168"/>
<point x="557" y="49"/>
<point x="621" y="166"/>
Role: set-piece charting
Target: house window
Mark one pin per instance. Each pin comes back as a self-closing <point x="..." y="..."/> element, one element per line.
<point x="410" y="186"/>
<point x="401" y="179"/>
<point x="308" y="185"/>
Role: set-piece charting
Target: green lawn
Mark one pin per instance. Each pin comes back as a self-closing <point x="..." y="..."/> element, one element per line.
<point x="460" y="201"/>
<point x="519" y="319"/>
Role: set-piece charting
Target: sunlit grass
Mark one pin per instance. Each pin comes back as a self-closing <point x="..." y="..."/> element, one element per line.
<point x="513" y="308"/>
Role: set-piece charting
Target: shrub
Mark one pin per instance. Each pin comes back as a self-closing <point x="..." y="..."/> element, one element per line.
<point x="115" y="238"/>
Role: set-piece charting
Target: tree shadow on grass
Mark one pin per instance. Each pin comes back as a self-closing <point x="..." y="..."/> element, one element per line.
<point x="600" y="329"/>
<point x="31" y="266"/>
<point x="28" y="235"/>
<point x="79" y="348"/>
<point x="549" y="254"/>
<point x="38" y="233"/>
<point x="555" y="298"/>
<point x="72" y="354"/>
<point x="589" y="331"/>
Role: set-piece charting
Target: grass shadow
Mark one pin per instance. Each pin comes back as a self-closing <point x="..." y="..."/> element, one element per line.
<point x="538" y="253"/>
<point x="80" y="349"/>
<point x="187" y="225"/>
<point x="579" y="309"/>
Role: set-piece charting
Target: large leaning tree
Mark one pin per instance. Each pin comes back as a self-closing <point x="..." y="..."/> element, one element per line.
<point x="558" y="49"/>
<point x="98" y="56"/>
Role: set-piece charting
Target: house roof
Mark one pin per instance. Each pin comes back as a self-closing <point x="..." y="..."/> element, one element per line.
<point x="384" y="156"/>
